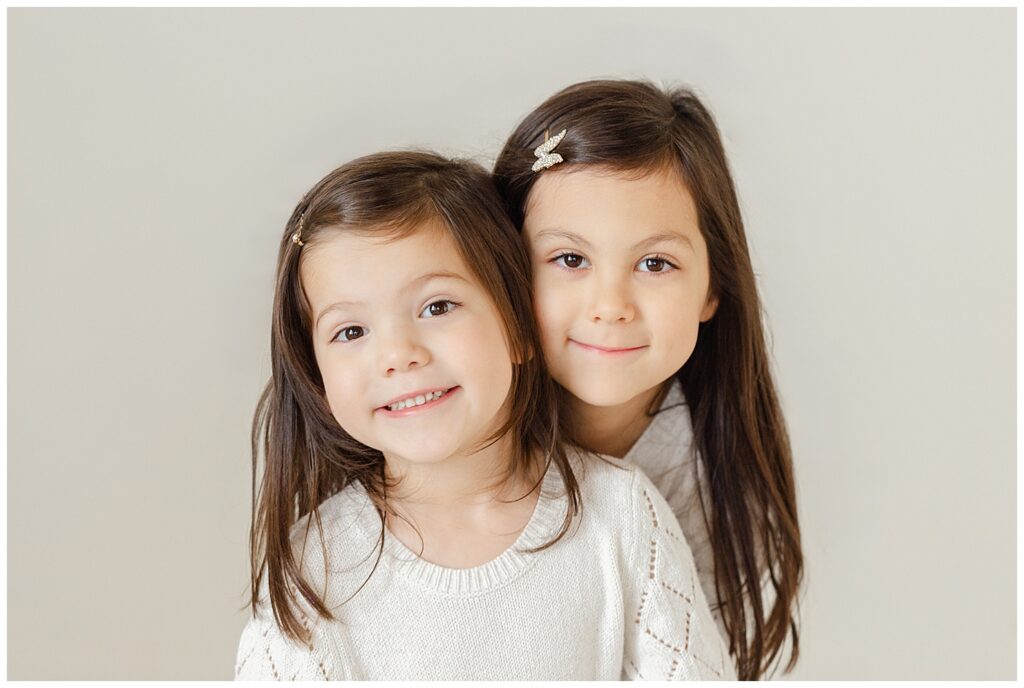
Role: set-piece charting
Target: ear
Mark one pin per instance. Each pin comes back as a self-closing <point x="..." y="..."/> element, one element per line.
<point x="710" y="308"/>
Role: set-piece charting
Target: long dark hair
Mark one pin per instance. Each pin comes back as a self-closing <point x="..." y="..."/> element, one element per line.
<point x="739" y="431"/>
<point x="307" y="456"/>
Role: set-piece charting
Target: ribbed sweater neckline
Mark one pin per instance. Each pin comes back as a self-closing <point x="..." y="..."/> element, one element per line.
<point x="547" y="517"/>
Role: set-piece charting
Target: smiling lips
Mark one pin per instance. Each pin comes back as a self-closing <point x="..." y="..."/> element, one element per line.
<point x="608" y="350"/>
<point x="411" y="403"/>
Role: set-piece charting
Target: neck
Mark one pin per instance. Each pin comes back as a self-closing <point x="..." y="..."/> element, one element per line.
<point x="464" y="510"/>
<point x="460" y="482"/>
<point x="613" y="430"/>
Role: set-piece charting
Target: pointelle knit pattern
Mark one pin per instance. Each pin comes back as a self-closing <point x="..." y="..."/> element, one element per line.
<point x="664" y="452"/>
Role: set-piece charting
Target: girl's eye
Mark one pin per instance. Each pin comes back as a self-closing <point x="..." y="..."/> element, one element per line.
<point x="654" y="264"/>
<point x="442" y="307"/>
<point x="349" y="333"/>
<point x="572" y="261"/>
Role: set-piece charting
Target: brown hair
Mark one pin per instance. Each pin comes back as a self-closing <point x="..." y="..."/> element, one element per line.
<point x="307" y="456"/>
<point x="739" y="431"/>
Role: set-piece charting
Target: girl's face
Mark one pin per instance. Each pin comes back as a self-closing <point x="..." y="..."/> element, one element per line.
<point x="621" y="279"/>
<point x="411" y="348"/>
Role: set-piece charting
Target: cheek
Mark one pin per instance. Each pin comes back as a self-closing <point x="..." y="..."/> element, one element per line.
<point x="343" y="387"/>
<point x="553" y="306"/>
<point x="480" y="350"/>
<point x="676" y="317"/>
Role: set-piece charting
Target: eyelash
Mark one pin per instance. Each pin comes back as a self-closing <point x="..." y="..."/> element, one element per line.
<point x="656" y="256"/>
<point x="452" y="305"/>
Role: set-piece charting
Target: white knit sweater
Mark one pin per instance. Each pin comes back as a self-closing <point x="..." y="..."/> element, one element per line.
<point x="664" y="453"/>
<point x="616" y="597"/>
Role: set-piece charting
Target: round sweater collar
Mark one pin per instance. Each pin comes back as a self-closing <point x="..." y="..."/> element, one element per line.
<point x="548" y="516"/>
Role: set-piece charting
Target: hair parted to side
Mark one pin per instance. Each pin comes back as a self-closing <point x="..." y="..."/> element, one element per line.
<point x="634" y="128"/>
<point x="307" y="456"/>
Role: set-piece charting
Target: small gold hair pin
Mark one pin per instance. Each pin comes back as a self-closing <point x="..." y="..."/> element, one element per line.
<point x="297" y="237"/>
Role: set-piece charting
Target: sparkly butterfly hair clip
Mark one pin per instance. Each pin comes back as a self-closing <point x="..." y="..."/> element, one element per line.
<point x="545" y="158"/>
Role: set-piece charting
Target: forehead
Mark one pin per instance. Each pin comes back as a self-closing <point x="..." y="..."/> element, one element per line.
<point x="366" y="266"/>
<point x="591" y="198"/>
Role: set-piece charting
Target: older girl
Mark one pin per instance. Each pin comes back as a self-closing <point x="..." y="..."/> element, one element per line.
<point x="650" y="319"/>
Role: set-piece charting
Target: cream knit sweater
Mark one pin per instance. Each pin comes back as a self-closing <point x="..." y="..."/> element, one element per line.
<point x="616" y="597"/>
<point x="664" y="453"/>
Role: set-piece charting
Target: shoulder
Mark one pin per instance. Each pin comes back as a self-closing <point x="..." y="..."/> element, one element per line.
<point x="338" y="544"/>
<point x="605" y="475"/>
<point x="601" y="476"/>
<point x="621" y="491"/>
<point x="345" y="514"/>
<point x="610" y="485"/>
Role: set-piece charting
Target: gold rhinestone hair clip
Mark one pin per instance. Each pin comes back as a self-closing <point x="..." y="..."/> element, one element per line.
<point x="297" y="237"/>
<point x="545" y="158"/>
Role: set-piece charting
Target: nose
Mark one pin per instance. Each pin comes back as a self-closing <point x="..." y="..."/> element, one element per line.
<point x="400" y="352"/>
<point x="611" y="302"/>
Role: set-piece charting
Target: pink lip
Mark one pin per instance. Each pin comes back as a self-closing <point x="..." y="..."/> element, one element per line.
<point x="607" y="350"/>
<point x="412" y="410"/>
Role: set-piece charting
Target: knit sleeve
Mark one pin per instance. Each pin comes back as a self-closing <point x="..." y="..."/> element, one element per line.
<point x="670" y="633"/>
<point x="265" y="653"/>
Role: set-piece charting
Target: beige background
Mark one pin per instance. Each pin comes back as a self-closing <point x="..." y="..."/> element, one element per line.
<point x="154" y="156"/>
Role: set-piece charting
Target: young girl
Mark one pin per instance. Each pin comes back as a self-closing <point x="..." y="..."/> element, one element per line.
<point x="417" y="516"/>
<point x="650" y="319"/>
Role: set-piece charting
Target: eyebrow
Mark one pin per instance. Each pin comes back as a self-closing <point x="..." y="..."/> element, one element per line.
<point x="643" y="244"/>
<point x="439" y="274"/>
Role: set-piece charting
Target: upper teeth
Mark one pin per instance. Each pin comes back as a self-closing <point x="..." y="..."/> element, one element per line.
<point x="414" y="401"/>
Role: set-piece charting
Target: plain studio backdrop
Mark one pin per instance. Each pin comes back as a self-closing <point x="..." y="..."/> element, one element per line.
<point x="154" y="156"/>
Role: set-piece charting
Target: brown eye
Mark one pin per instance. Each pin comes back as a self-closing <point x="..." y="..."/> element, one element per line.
<point x="349" y="333"/>
<point x="436" y="308"/>
<point x="655" y="264"/>
<point x="572" y="261"/>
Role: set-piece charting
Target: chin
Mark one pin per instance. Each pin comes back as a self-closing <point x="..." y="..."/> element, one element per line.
<point x="607" y="394"/>
<point x="422" y="453"/>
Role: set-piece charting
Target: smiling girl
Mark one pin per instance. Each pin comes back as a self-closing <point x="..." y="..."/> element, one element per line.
<point x="417" y="515"/>
<point x="650" y="319"/>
